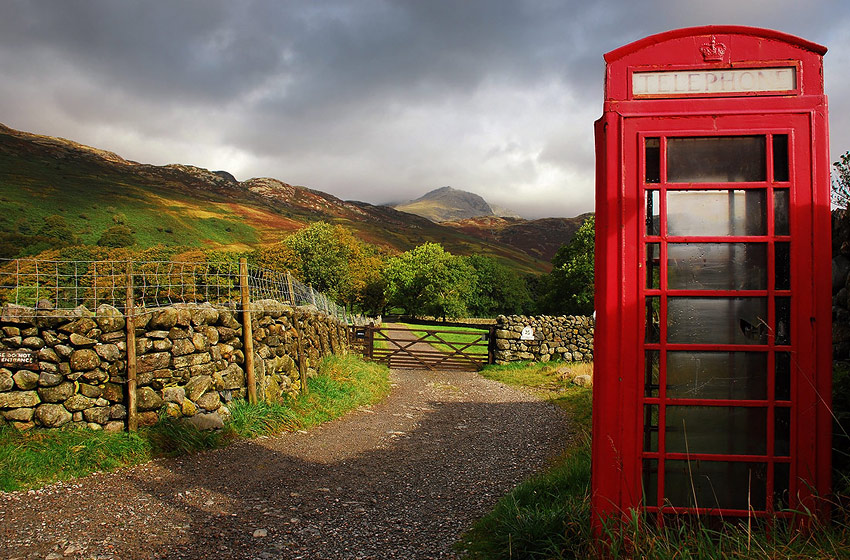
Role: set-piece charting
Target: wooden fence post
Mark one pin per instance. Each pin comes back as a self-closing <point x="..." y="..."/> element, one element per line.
<point x="130" y="321"/>
<point x="291" y="291"/>
<point x="302" y="364"/>
<point x="247" y="334"/>
<point x="312" y="295"/>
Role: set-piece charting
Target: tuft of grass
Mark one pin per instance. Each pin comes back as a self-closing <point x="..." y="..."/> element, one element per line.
<point x="35" y="458"/>
<point x="38" y="457"/>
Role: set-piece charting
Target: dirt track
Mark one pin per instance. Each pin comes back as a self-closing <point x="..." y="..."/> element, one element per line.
<point x="402" y="479"/>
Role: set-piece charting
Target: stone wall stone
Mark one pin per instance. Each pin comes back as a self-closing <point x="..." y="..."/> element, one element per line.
<point x="567" y="338"/>
<point x="190" y="361"/>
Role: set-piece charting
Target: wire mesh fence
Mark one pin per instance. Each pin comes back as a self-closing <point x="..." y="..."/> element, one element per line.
<point x="64" y="286"/>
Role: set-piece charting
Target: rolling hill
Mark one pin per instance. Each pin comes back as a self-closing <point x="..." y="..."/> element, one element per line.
<point x="93" y="190"/>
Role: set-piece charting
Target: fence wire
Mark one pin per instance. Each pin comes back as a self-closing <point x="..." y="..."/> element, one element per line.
<point x="64" y="286"/>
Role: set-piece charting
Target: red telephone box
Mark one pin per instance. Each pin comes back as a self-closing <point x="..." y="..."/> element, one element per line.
<point x="713" y="356"/>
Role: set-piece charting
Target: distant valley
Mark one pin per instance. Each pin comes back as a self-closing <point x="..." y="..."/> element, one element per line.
<point x="92" y="190"/>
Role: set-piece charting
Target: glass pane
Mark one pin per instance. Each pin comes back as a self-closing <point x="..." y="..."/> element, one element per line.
<point x="650" y="482"/>
<point x="721" y="430"/>
<point x="715" y="484"/>
<point x="717" y="375"/>
<point x="650" y="427"/>
<point x="653" y="207"/>
<point x="781" y="198"/>
<point x="783" y="320"/>
<point x="782" y="432"/>
<point x="652" y="158"/>
<point x="783" y="266"/>
<point x="651" y="383"/>
<point x="716" y="212"/>
<point x="780" y="157"/>
<point x="716" y="159"/>
<point x="781" y="485"/>
<point x="653" y="325"/>
<point x="717" y="266"/>
<point x="717" y="320"/>
<point x="653" y="265"/>
<point x="782" y="388"/>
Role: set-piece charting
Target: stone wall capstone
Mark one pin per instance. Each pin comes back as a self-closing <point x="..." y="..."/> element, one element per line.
<point x="190" y="361"/>
<point x="567" y="338"/>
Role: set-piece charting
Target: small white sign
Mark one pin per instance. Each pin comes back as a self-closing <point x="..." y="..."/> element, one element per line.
<point x="527" y="334"/>
<point x="696" y="82"/>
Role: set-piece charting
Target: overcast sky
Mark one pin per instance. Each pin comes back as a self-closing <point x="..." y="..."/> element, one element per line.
<point x="372" y="100"/>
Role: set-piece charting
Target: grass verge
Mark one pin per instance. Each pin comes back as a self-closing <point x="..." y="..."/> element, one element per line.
<point x="38" y="457"/>
<point x="548" y="516"/>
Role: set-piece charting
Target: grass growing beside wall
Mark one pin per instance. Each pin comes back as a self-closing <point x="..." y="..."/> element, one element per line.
<point x="38" y="457"/>
<point x="548" y="516"/>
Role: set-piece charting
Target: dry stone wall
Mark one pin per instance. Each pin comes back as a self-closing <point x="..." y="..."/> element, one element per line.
<point x="190" y="361"/>
<point x="567" y="338"/>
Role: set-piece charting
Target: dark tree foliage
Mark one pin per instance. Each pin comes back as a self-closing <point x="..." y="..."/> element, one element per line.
<point x="841" y="181"/>
<point x="568" y="290"/>
<point x="117" y="236"/>
<point x="499" y="289"/>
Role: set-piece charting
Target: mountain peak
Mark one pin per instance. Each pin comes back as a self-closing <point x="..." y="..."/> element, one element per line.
<point x="448" y="204"/>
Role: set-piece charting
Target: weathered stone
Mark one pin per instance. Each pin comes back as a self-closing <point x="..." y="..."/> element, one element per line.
<point x="233" y="377"/>
<point x="148" y="418"/>
<point x="63" y="350"/>
<point x="84" y="360"/>
<point x="98" y="414"/>
<point x="108" y="352"/>
<point x="178" y="333"/>
<point x="109" y="319"/>
<point x="163" y="319"/>
<point x="150" y="362"/>
<point x="197" y="386"/>
<point x="95" y="376"/>
<point x="162" y="345"/>
<point x="191" y="360"/>
<point x="203" y="369"/>
<point x="204" y="314"/>
<point x="118" y="412"/>
<point x="11" y="331"/>
<point x="33" y="342"/>
<point x="209" y="401"/>
<point x="200" y="342"/>
<point x="188" y="408"/>
<point x="6" y="380"/>
<point x="12" y="341"/>
<point x="91" y="391"/>
<point x="148" y="399"/>
<point x="58" y="393"/>
<point x="174" y="395"/>
<point x="114" y="427"/>
<point x="157" y="334"/>
<point x="100" y="401"/>
<point x="26" y="380"/>
<point x="81" y="341"/>
<point x="211" y="333"/>
<point x="224" y="413"/>
<point x="78" y="403"/>
<point x="583" y="380"/>
<point x="172" y="410"/>
<point x="205" y="421"/>
<point x="48" y="355"/>
<point x="113" y="392"/>
<point x="182" y="347"/>
<point x="19" y="414"/>
<point x="226" y="334"/>
<point x="52" y="415"/>
<point x="116" y="337"/>
<point x="16" y="314"/>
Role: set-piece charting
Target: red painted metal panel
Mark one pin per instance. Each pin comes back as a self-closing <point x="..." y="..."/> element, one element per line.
<point x="796" y="115"/>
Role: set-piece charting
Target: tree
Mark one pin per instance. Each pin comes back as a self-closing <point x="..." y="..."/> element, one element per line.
<point x="428" y="280"/>
<point x="56" y="229"/>
<point x="332" y="260"/>
<point x="499" y="289"/>
<point x="841" y="181"/>
<point x="117" y="236"/>
<point x="569" y="288"/>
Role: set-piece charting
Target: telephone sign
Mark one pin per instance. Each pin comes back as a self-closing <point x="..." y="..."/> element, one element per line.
<point x="713" y="297"/>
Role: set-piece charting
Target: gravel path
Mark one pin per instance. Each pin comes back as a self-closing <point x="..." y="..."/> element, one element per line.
<point x="402" y="479"/>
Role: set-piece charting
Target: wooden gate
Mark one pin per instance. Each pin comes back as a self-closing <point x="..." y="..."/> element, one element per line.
<point x="468" y="348"/>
